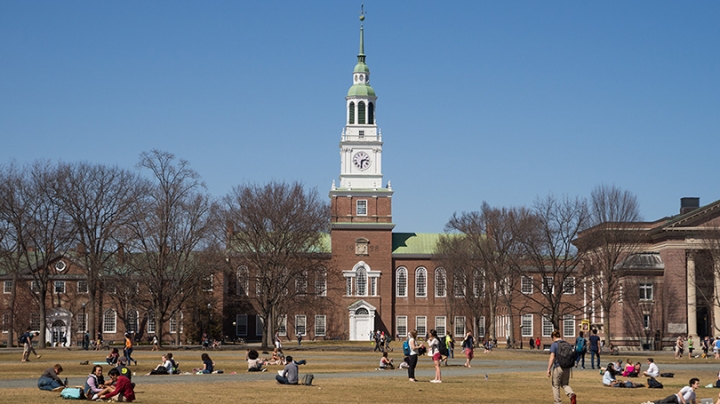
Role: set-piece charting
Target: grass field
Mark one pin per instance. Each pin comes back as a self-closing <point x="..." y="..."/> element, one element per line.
<point x="348" y="376"/>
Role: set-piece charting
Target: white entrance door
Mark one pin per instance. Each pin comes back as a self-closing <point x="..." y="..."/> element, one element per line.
<point x="362" y="328"/>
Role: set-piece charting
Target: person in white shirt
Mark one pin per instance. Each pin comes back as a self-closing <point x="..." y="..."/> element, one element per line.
<point x="686" y="395"/>
<point x="653" y="370"/>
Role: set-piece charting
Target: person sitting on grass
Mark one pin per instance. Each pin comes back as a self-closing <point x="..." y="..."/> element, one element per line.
<point x="290" y="373"/>
<point x="609" y="379"/>
<point x="164" y="368"/>
<point x="385" y="362"/>
<point x="112" y="357"/>
<point x="50" y="380"/>
<point x="276" y="359"/>
<point x="255" y="363"/>
<point x="629" y="369"/>
<point x="208" y="365"/>
<point x="95" y="382"/>
<point x="122" y="388"/>
<point x="653" y="370"/>
<point x="122" y="369"/>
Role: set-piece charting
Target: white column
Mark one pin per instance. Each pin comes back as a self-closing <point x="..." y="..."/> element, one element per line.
<point x="691" y="298"/>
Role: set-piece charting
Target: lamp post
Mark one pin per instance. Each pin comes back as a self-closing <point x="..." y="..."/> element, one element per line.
<point x="85" y="347"/>
<point x="234" y="332"/>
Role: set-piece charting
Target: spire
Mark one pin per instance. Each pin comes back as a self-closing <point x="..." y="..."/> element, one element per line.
<point x="361" y="55"/>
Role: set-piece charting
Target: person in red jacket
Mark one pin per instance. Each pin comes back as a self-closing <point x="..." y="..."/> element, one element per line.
<point x="122" y="387"/>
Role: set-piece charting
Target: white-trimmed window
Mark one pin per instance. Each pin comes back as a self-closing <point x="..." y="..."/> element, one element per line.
<point x="373" y="286"/>
<point x="301" y="283"/>
<point x="478" y="284"/>
<point x="568" y="325"/>
<point x="176" y="323"/>
<point x="35" y="286"/>
<point x="401" y="322"/>
<point x="527" y="325"/>
<point x="421" y="325"/>
<point x="282" y="325"/>
<point x="440" y="325"/>
<point x="7" y="286"/>
<point x="110" y="321"/>
<point x="361" y="207"/>
<point x="5" y="323"/>
<point x="132" y="321"/>
<point x="243" y="281"/>
<point x="258" y="326"/>
<point x="321" y="283"/>
<point x="646" y="321"/>
<point x="480" y="327"/>
<point x="81" y="322"/>
<point x="421" y="282"/>
<point x="82" y="286"/>
<point x="320" y="328"/>
<point x="34" y="322"/>
<point x="459" y="285"/>
<point x="300" y="322"/>
<point x="207" y="283"/>
<point x="547" y="326"/>
<point x="59" y="287"/>
<point x="440" y="282"/>
<point x="646" y="291"/>
<point x="361" y="281"/>
<point x="459" y="326"/>
<point x="548" y="285"/>
<point x="241" y="325"/>
<point x="569" y="285"/>
<point x="526" y="285"/>
<point x="401" y="282"/>
<point x="151" y="323"/>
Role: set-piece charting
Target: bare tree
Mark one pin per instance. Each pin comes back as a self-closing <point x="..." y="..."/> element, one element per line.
<point x="276" y="231"/>
<point x="464" y="268"/>
<point x="614" y="235"/>
<point x="169" y="238"/>
<point x="495" y="235"/>
<point x="548" y="250"/>
<point x="36" y="227"/>
<point x="99" y="199"/>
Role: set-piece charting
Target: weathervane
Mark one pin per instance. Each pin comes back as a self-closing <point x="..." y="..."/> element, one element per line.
<point x="362" y="13"/>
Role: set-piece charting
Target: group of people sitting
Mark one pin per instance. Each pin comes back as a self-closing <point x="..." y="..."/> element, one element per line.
<point x="612" y="370"/>
<point x="258" y="364"/>
<point x="96" y="387"/>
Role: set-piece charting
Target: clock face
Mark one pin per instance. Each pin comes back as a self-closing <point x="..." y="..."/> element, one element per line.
<point x="361" y="160"/>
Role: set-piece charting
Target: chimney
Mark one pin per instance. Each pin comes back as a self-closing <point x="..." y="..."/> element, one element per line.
<point x="688" y="204"/>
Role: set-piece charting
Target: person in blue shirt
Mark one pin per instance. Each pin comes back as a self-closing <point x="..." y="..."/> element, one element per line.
<point x="560" y="377"/>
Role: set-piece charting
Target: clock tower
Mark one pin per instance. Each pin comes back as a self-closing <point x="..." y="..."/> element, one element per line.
<point x="361" y="196"/>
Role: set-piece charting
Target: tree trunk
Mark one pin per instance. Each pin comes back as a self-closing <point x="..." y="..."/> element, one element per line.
<point x="11" y="310"/>
<point x="491" y="325"/>
<point x="606" y="323"/>
<point x="43" y="321"/>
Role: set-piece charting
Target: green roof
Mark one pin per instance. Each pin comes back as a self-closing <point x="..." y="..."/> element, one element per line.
<point x="415" y="243"/>
<point x="361" y="90"/>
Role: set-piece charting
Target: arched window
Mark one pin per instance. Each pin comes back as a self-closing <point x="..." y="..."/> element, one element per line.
<point x="361" y="280"/>
<point x="351" y="113"/>
<point x="362" y="311"/>
<point x="361" y="113"/>
<point x="371" y="113"/>
<point x="401" y="282"/>
<point x="440" y="282"/>
<point x="421" y="282"/>
<point x="132" y="321"/>
<point x="243" y="281"/>
<point x="110" y="321"/>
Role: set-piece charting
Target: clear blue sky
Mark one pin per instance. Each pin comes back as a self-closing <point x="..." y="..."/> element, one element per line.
<point x="478" y="100"/>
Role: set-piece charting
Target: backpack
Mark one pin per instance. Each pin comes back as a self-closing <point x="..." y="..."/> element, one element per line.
<point x="23" y="339"/>
<point x="442" y="348"/>
<point x="307" y="379"/>
<point x="72" y="393"/>
<point x="654" y="384"/>
<point x="406" y="348"/>
<point x="565" y="355"/>
<point x="580" y="345"/>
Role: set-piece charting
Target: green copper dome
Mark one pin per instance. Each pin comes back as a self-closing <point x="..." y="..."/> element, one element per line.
<point x="361" y="90"/>
<point x="361" y="67"/>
